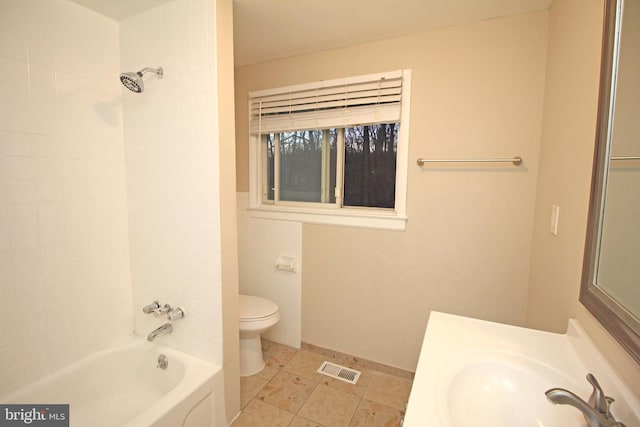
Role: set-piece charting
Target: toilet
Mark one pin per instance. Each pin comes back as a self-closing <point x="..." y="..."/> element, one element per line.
<point x="256" y="316"/>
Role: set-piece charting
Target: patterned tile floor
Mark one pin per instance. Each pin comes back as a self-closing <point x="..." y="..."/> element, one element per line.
<point x="289" y="391"/>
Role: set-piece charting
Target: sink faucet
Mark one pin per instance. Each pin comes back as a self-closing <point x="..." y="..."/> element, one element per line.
<point x="597" y="400"/>
<point x="596" y="412"/>
<point x="158" y="332"/>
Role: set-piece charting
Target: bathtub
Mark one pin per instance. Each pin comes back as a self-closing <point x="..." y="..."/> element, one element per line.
<point x="122" y="386"/>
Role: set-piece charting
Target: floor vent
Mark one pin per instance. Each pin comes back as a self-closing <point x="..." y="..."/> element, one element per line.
<point x="339" y="372"/>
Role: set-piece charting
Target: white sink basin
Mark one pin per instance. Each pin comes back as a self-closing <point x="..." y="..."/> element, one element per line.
<point x="473" y="373"/>
<point x="488" y="391"/>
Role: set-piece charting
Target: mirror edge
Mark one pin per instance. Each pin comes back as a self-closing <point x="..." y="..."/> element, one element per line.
<point x="622" y="325"/>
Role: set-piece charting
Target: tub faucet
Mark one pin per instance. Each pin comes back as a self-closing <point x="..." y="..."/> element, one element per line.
<point x="597" y="412"/>
<point x="148" y="309"/>
<point x="158" y="332"/>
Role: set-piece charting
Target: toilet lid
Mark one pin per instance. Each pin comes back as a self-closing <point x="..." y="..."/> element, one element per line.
<point x="254" y="308"/>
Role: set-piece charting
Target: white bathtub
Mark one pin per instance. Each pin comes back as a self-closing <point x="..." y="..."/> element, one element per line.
<point x="122" y="386"/>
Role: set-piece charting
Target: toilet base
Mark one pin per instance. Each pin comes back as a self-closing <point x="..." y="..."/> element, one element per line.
<point x="251" y="361"/>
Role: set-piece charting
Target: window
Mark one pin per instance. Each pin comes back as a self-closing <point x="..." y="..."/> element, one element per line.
<point x="332" y="152"/>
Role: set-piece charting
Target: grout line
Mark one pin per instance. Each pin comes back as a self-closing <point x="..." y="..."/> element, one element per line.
<point x="369" y="364"/>
<point x="318" y="380"/>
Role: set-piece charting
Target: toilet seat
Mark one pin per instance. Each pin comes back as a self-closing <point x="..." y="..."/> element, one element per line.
<point x="252" y="308"/>
<point x="256" y="315"/>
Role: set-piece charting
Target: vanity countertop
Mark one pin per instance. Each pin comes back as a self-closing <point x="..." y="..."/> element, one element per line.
<point x="478" y="373"/>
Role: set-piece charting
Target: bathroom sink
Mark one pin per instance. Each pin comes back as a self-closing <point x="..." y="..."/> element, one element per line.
<point x="474" y="373"/>
<point x="497" y="390"/>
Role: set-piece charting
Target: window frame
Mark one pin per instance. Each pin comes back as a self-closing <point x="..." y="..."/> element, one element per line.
<point x="334" y="213"/>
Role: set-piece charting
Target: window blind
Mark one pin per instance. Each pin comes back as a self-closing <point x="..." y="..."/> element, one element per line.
<point x="374" y="98"/>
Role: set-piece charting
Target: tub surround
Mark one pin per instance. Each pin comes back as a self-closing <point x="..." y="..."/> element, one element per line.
<point x="108" y="198"/>
<point x="171" y="158"/>
<point x="64" y="242"/>
<point x="180" y="216"/>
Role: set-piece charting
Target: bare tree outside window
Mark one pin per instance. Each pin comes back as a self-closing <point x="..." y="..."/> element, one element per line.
<point x="301" y="164"/>
<point x="307" y="162"/>
<point x="370" y="165"/>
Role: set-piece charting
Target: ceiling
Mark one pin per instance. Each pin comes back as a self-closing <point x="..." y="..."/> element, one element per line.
<point x="270" y="29"/>
<point x="120" y="9"/>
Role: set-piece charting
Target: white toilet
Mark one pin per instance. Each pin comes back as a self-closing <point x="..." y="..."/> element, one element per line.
<point x="256" y="316"/>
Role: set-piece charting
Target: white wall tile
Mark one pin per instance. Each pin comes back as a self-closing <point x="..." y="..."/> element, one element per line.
<point x="5" y="241"/>
<point x="48" y="191"/>
<point x="12" y="18"/>
<point x="24" y="238"/>
<point x="14" y="71"/>
<point x="20" y="168"/>
<point x="171" y="179"/>
<point x="24" y="260"/>
<point x="4" y="218"/>
<point x="54" y="255"/>
<point x="11" y="331"/>
<point x="260" y="242"/>
<point x="41" y="49"/>
<point x="12" y="378"/>
<point x="37" y="325"/>
<point x="64" y="216"/>
<point x="11" y="357"/>
<point x="51" y="233"/>
<point x="27" y="282"/>
<point x="22" y="215"/>
<point x="19" y="192"/>
<point x="26" y="305"/>
<point x="14" y="96"/>
<point x="14" y="120"/>
<point x="13" y="45"/>
<point x="59" y="109"/>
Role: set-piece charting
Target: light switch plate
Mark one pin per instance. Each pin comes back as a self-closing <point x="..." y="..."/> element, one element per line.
<point x="555" y="213"/>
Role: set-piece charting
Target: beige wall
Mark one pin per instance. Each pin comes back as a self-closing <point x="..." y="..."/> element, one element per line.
<point x="566" y="156"/>
<point x="477" y="92"/>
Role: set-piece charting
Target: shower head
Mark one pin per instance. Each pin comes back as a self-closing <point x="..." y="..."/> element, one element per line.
<point x="133" y="81"/>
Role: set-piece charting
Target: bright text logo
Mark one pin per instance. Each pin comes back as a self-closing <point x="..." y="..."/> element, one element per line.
<point x="34" y="415"/>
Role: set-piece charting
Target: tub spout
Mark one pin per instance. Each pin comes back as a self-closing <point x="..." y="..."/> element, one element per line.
<point x="158" y="332"/>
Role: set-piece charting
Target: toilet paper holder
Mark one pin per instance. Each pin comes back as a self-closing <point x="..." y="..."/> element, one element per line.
<point x="286" y="263"/>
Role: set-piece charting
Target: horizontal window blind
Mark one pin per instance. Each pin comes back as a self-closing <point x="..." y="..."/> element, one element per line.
<point x="374" y="98"/>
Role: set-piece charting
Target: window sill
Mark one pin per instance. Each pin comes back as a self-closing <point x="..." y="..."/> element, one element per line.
<point x="360" y="218"/>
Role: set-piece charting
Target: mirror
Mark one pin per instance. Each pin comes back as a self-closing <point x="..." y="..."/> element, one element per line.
<point x="610" y="287"/>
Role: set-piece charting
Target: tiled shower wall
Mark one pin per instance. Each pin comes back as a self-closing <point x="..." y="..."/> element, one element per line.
<point x="172" y="172"/>
<point x="64" y="251"/>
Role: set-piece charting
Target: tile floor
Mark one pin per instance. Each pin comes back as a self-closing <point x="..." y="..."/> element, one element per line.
<point x="289" y="391"/>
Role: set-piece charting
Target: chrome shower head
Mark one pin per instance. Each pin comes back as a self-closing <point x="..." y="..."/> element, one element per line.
<point x="134" y="82"/>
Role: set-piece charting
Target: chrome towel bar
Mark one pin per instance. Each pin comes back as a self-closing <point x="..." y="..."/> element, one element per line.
<point x="625" y="158"/>
<point x="517" y="161"/>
